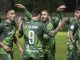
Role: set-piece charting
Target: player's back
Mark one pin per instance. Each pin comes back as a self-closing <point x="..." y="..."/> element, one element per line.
<point x="33" y="33"/>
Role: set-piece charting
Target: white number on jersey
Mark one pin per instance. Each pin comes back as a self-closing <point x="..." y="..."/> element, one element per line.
<point x="31" y="37"/>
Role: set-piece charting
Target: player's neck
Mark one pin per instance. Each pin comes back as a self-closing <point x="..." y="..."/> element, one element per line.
<point x="8" y="21"/>
<point x="77" y="18"/>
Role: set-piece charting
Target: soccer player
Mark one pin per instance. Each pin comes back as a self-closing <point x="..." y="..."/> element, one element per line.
<point x="74" y="36"/>
<point x="51" y="24"/>
<point x="7" y="36"/>
<point x="33" y="33"/>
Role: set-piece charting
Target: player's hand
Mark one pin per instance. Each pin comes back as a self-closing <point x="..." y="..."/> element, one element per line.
<point x="61" y="23"/>
<point x="7" y="48"/>
<point x="61" y="8"/>
<point x="20" y="6"/>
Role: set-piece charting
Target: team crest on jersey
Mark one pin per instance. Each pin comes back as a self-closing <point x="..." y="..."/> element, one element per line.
<point x="72" y="27"/>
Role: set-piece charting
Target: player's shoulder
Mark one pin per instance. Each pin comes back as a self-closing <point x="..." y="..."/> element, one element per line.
<point x="72" y="21"/>
<point x="73" y="24"/>
<point x="2" y="23"/>
<point x="41" y="24"/>
<point x="5" y="24"/>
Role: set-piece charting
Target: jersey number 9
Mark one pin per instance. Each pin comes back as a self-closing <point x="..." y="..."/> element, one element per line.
<point x="31" y="37"/>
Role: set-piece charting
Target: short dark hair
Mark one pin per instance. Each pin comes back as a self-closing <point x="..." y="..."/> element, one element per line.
<point x="77" y="9"/>
<point x="36" y="12"/>
<point x="9" y="9"/>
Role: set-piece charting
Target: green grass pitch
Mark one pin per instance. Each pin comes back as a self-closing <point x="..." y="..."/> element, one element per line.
<point x="61" y="47"/>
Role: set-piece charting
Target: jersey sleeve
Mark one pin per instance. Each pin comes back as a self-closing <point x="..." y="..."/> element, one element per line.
<point x="58" y="18"/>
<point x="59" y="14"/>
<point x="2" y="33"/>
<point x="55" y="24"/>
<point x="72" y="27"/>
<point x="27" y="14"/>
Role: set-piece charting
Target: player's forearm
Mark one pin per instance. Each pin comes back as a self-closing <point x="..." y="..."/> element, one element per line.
<point x="73" y="41"/>
<point x="6" y="47"/>
<point x="71" y="36"/>
<point x="54" y="32"/>
<point x="17" y="44"/>
<point x="1" y="44"/>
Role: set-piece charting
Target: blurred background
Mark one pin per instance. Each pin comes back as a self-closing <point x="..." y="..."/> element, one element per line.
<point x="40" y="4"/>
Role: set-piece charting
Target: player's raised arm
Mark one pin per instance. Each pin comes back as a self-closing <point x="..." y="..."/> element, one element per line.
<point x="61" y="8"/>
<point x="54" y="31"/>
<point x="26" y="12"/>
<point x="60" y="25"/>
<point x="59" y="13"/>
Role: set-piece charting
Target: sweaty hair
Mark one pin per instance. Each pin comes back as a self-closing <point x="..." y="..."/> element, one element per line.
<point x="36" y="12"/>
